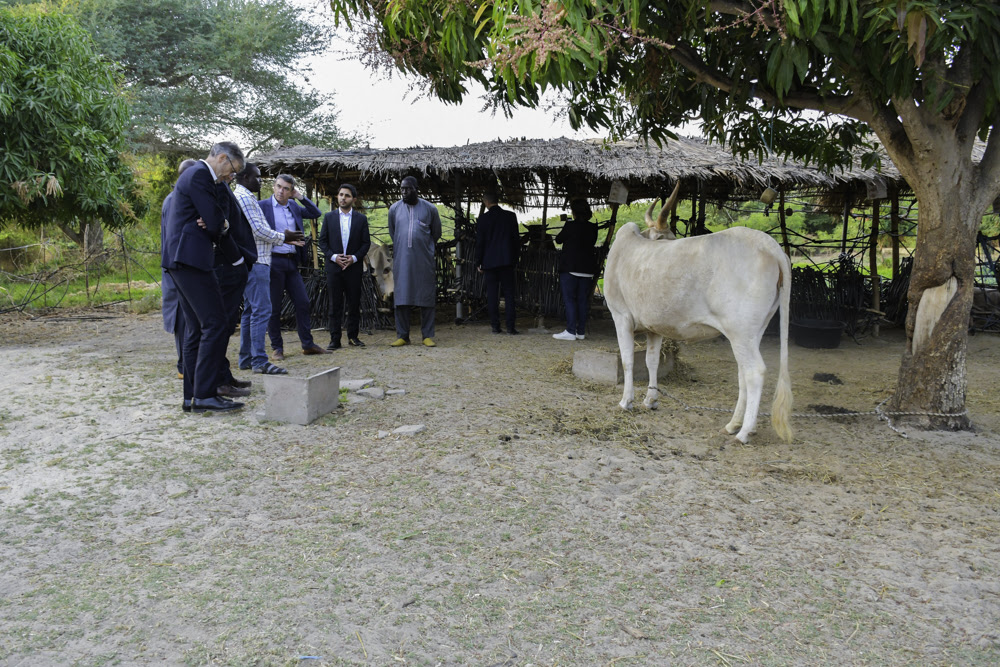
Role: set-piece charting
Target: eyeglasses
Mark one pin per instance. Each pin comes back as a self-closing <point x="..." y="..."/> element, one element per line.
<point x="231" y="165"/>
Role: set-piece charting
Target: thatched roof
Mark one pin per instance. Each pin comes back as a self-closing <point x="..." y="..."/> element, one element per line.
<point x="569" y="168"/>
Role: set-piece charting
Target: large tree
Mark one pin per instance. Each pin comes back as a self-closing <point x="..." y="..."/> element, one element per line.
<point x="63" y="122"/>
<point x="922" y="75"/>
<point x="217" y="68"/>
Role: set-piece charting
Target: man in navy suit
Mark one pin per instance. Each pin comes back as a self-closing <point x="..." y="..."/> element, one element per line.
<point x="343" y="263"/>
<point x="283" y="214"/>
<point x="232" y="277"/>
<point x="497" y="248"/>
<point x="173" y="316"/>
<point x="196" y="224"/>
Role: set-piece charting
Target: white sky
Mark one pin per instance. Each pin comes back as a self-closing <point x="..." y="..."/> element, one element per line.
<point x="392" y="116"/>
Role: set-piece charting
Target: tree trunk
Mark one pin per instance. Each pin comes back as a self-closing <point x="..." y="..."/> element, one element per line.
<point x="932" y="376"/>
<point x="89" y="236"/>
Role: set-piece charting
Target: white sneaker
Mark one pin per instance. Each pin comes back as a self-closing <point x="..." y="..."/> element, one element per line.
<point x="579" y="336"/>
<point x="565" y="335"/>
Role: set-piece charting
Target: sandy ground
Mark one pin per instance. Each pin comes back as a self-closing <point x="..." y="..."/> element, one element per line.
<point x="531" y="523"/>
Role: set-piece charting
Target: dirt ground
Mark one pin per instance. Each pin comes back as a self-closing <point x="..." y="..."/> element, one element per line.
<point x="532" y="523"/>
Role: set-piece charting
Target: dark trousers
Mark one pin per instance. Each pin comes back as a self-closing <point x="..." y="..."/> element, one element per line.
<point x="495" y="279"/>
<point x="576" y="293"/>
<point x="285" y="277"/>
<point x="403" y="321"/>
<point x="232" y="282"/>
<point x="205" y="322"/>
<point x="179" y="331"/>
<point x="341" y="286"/>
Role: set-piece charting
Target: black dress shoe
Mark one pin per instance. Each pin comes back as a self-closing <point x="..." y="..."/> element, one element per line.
<point x="231" y="391"/>
<point x="496" y="330"/>
<point x="214" y="404"/>
<point x="334" y="345"/>
<point x="241" y="384"/>
<point x="513" y="332"/>
<point x="354" y="342"/>
<point x="186" y="406"/>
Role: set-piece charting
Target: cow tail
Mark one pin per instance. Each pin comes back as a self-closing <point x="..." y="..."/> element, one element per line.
<point x="781" y="409"/>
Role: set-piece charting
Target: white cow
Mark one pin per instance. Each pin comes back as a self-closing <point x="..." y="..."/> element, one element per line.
<point x="379" y="263"/>
<point x="728" y="283"/>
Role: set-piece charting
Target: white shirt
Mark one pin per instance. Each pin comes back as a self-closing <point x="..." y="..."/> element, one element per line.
<point x="345" y="232"/>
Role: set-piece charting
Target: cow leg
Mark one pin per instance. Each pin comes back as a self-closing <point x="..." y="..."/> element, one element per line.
<point x="752" y="369"/>
<point x="741" y="403"/>
<point x="653" y="343"/>
<point x="626" y="345"/>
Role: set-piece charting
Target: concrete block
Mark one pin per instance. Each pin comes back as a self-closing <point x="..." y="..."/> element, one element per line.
<point x="378" y="393"/>
<point x="411" y="429"/>
<point x="355" y="385"/>
<point x="301" y="400"/>
<point x="395" y="392"/>
<point x="606" y="367"/>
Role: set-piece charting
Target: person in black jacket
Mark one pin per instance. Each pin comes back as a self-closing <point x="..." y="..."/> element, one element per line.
<point x="497" y="247"/>
<point x="344" y="240"/>
<point x="577" y="266"/>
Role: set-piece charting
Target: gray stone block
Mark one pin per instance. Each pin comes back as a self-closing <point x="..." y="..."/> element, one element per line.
<point x="355" y="385"/>
<point x="606" y="367"/>
<point x="411" y="429"/>
<point x="301" y="400"/>
<point x="395" y="392"/>
<point x="372" y="392"/>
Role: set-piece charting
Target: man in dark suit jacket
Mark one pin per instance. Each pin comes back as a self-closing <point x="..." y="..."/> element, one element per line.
<point x="283" y="214"/>
<point x="232" y="277"/>
<point x="497" y="248"/>
<point x="197" y="223"/>
<point x="343" y="263"/>
<point x="173" y="316"/>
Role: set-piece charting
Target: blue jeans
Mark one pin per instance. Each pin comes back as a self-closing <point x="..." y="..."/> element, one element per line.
<point x="256" y="313"/>
<point x="576" y="293"/>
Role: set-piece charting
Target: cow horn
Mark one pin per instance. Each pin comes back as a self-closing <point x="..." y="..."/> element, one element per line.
<point x="668" y="208"/>
<point x="649" y="215"/>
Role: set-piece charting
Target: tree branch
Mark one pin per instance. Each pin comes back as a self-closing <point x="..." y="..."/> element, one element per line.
<point x="988" y="170"/>
<point x="853" y="106"/>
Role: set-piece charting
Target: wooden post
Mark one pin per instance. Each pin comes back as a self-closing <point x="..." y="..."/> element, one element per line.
<point x="873" y="263"/>
<point x="847" y="217"/>
<point x="894" y="230"/>
<point x="545" y="203"/>
<point x="781" y="221"/>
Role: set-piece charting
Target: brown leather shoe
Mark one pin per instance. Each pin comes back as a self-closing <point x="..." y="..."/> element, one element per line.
<point x="277" y="355"/>
<point x="315" y="349"/>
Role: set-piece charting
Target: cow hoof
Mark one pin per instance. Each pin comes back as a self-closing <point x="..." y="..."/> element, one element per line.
<point x="652" y="405"/>
<point x="625" y="405"/>
<point x="743" y="438"/>
<point x="732" y="428"/>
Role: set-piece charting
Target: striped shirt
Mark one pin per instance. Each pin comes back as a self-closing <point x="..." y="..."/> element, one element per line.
<point x="265" y="237"/>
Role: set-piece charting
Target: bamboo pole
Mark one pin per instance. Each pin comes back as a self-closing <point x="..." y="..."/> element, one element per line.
<point x="873" y="263"/>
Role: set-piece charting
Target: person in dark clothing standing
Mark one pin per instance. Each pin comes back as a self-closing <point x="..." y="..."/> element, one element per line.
<point x="344" y="240"/>
<point x="577" y="267"/>
<point x="497" y="248"/>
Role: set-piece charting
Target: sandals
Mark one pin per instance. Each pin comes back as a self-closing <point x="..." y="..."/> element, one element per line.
<point x="270" y="369"/>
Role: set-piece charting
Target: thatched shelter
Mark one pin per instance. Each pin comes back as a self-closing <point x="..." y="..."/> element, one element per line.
<point x="537" y="172"/>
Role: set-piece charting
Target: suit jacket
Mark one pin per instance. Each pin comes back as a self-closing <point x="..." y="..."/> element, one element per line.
<point x="304" y="210"/>
<point x="184" y="242"/>
<point x="498" y="243"/>
<point x="240" y="232"/>
<point x="331" y="241"/>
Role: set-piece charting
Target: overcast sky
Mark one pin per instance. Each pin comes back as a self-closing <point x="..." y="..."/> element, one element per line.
<point x="392" y="116"/>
